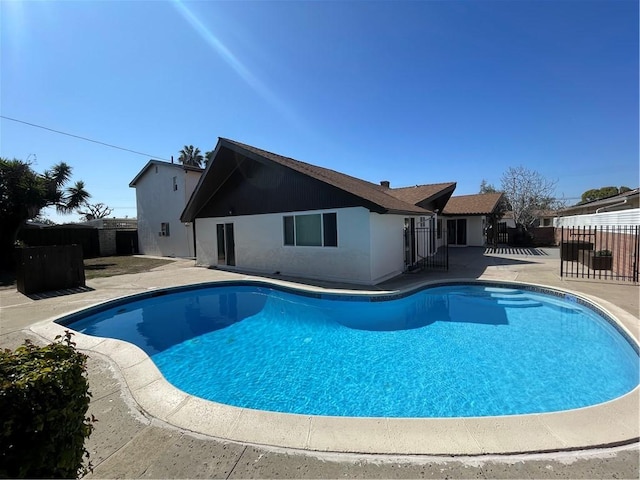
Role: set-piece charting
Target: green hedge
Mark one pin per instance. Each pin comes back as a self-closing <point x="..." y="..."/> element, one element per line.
<point x="44" y="397"/>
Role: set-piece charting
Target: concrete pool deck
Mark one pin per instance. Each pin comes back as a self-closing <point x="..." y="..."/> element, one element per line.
<point x="124" y="375"/>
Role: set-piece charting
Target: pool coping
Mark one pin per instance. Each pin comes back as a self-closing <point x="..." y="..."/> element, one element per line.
<point x="610" y="423"/>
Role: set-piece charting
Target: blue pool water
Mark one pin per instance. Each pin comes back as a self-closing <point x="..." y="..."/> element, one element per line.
<point x="447" y="351"/>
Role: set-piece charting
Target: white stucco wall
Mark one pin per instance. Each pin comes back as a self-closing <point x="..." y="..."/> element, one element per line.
<point x="157" y="202"/>
<point x="387" y="246"/>
<point x="259" y="247"/>
<point x="190" y="183"/>
<point x="475" y="229"/>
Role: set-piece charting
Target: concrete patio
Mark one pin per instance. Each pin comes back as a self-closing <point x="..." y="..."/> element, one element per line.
<point x="128" y="442"/>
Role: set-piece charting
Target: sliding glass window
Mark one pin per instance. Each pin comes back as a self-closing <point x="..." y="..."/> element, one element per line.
<point x="314" y="230"/>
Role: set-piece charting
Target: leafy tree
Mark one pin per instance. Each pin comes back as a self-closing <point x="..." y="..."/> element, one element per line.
<point x="603" y="192"/>
<point x="93" y="211"/>
<point x="486" y="187"/>
<point x="191" y="155"/>
<point x="527" y="192"/>
<point x="24" y="192"/>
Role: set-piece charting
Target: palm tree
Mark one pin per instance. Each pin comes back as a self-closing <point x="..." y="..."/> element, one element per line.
<point x="208" y="157"/>
<point x="65" y="201"/>
<point x="191" y="155"/>
<point x="73" y="198"/>
<point x="24" y="193"/>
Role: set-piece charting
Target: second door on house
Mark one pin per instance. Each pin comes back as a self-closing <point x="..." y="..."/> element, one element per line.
<point x="226" y="244"/>
<point x="457" y="231"/>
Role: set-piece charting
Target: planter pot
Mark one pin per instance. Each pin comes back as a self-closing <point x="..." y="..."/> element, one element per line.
<point x="587" y="257"/>
<point x="600" y="263"/>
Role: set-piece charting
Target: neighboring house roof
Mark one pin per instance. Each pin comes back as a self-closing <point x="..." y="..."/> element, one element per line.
<point x="377" y="197"/>
<point x="479" y="204"/>
<point x="112" y="223"/>
<point x="536" y="213"/>
<point x="151" y="163"/>
<point x="423" y="194"/>
<point x="626" y="200"/>
<point x="544" y="213"/>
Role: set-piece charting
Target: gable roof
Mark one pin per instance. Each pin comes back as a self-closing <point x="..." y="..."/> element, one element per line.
<point x="151" y="163"/>
<point x="479" y="204"/>
<point x="373" y="196"/>
<point x="420" y="193"/>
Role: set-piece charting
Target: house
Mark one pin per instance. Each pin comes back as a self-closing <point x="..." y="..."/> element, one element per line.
<point x="469" y="216"/>
<point x="621" y="209"/>
<point x="257" y="211"/>
<point x="162" y="191"/>
<point x="112" y="223"/>
<point x="541" y="218"/>
<point x="117" y="236"/>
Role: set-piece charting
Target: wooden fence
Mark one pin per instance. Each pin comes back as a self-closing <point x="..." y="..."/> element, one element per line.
<point x="43" y="269"/>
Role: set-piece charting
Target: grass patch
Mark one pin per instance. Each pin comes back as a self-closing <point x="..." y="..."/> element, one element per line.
<point x="119" y="265"/>
<point x="101" y="267"/>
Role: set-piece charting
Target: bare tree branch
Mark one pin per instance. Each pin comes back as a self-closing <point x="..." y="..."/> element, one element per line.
<point x="527" y="192"/>
<point x="94" y="211"/>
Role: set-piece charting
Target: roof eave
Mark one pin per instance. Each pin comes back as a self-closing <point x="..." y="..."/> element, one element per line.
<point x="421" y="212"/>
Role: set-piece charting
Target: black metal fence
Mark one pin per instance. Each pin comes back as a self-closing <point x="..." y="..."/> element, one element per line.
<point x="430" y="248"/>
<point x="502" y="234"/>
<point x="605" y="252"/>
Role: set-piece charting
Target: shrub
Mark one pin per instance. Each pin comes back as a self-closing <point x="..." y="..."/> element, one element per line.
<point x="602" y="253"/>
<point x="44" y="396"/>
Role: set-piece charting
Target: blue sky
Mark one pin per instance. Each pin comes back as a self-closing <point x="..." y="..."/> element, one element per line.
<point x="410" y="92"/>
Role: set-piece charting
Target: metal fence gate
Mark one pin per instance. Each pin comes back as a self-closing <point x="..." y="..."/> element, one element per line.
<point x="426" y="248"/>
<point x="607" y="252"/>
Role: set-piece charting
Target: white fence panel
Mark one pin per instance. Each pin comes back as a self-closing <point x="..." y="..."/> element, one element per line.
<point x="628" y="217"/>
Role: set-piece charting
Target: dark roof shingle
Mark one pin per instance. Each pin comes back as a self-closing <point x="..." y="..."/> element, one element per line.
<point x="479" y="204"/>
<point x="361" y="188"/>
<point x="420" y="193"/>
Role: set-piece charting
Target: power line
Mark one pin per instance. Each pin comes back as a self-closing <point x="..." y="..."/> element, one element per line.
<point x="83" y="138"/>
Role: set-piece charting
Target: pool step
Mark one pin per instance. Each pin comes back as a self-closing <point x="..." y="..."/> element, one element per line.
<point x="519" y="303"/>
<point x="502" y="291"/>
<point x="514" y="298"/>
<point x="505" y="298"/>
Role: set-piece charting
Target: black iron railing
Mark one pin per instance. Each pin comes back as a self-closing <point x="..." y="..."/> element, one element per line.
<point x="608" y="252"/>
<point x="431" y="249"/>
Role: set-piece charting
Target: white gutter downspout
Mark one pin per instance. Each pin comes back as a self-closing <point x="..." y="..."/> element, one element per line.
<point x="611" y="206"/>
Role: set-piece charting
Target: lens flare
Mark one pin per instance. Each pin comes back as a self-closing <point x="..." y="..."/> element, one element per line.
<point x="233" y="61"/>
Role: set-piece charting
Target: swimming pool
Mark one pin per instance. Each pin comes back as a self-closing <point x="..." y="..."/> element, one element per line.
<point x="447" y="351"/>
